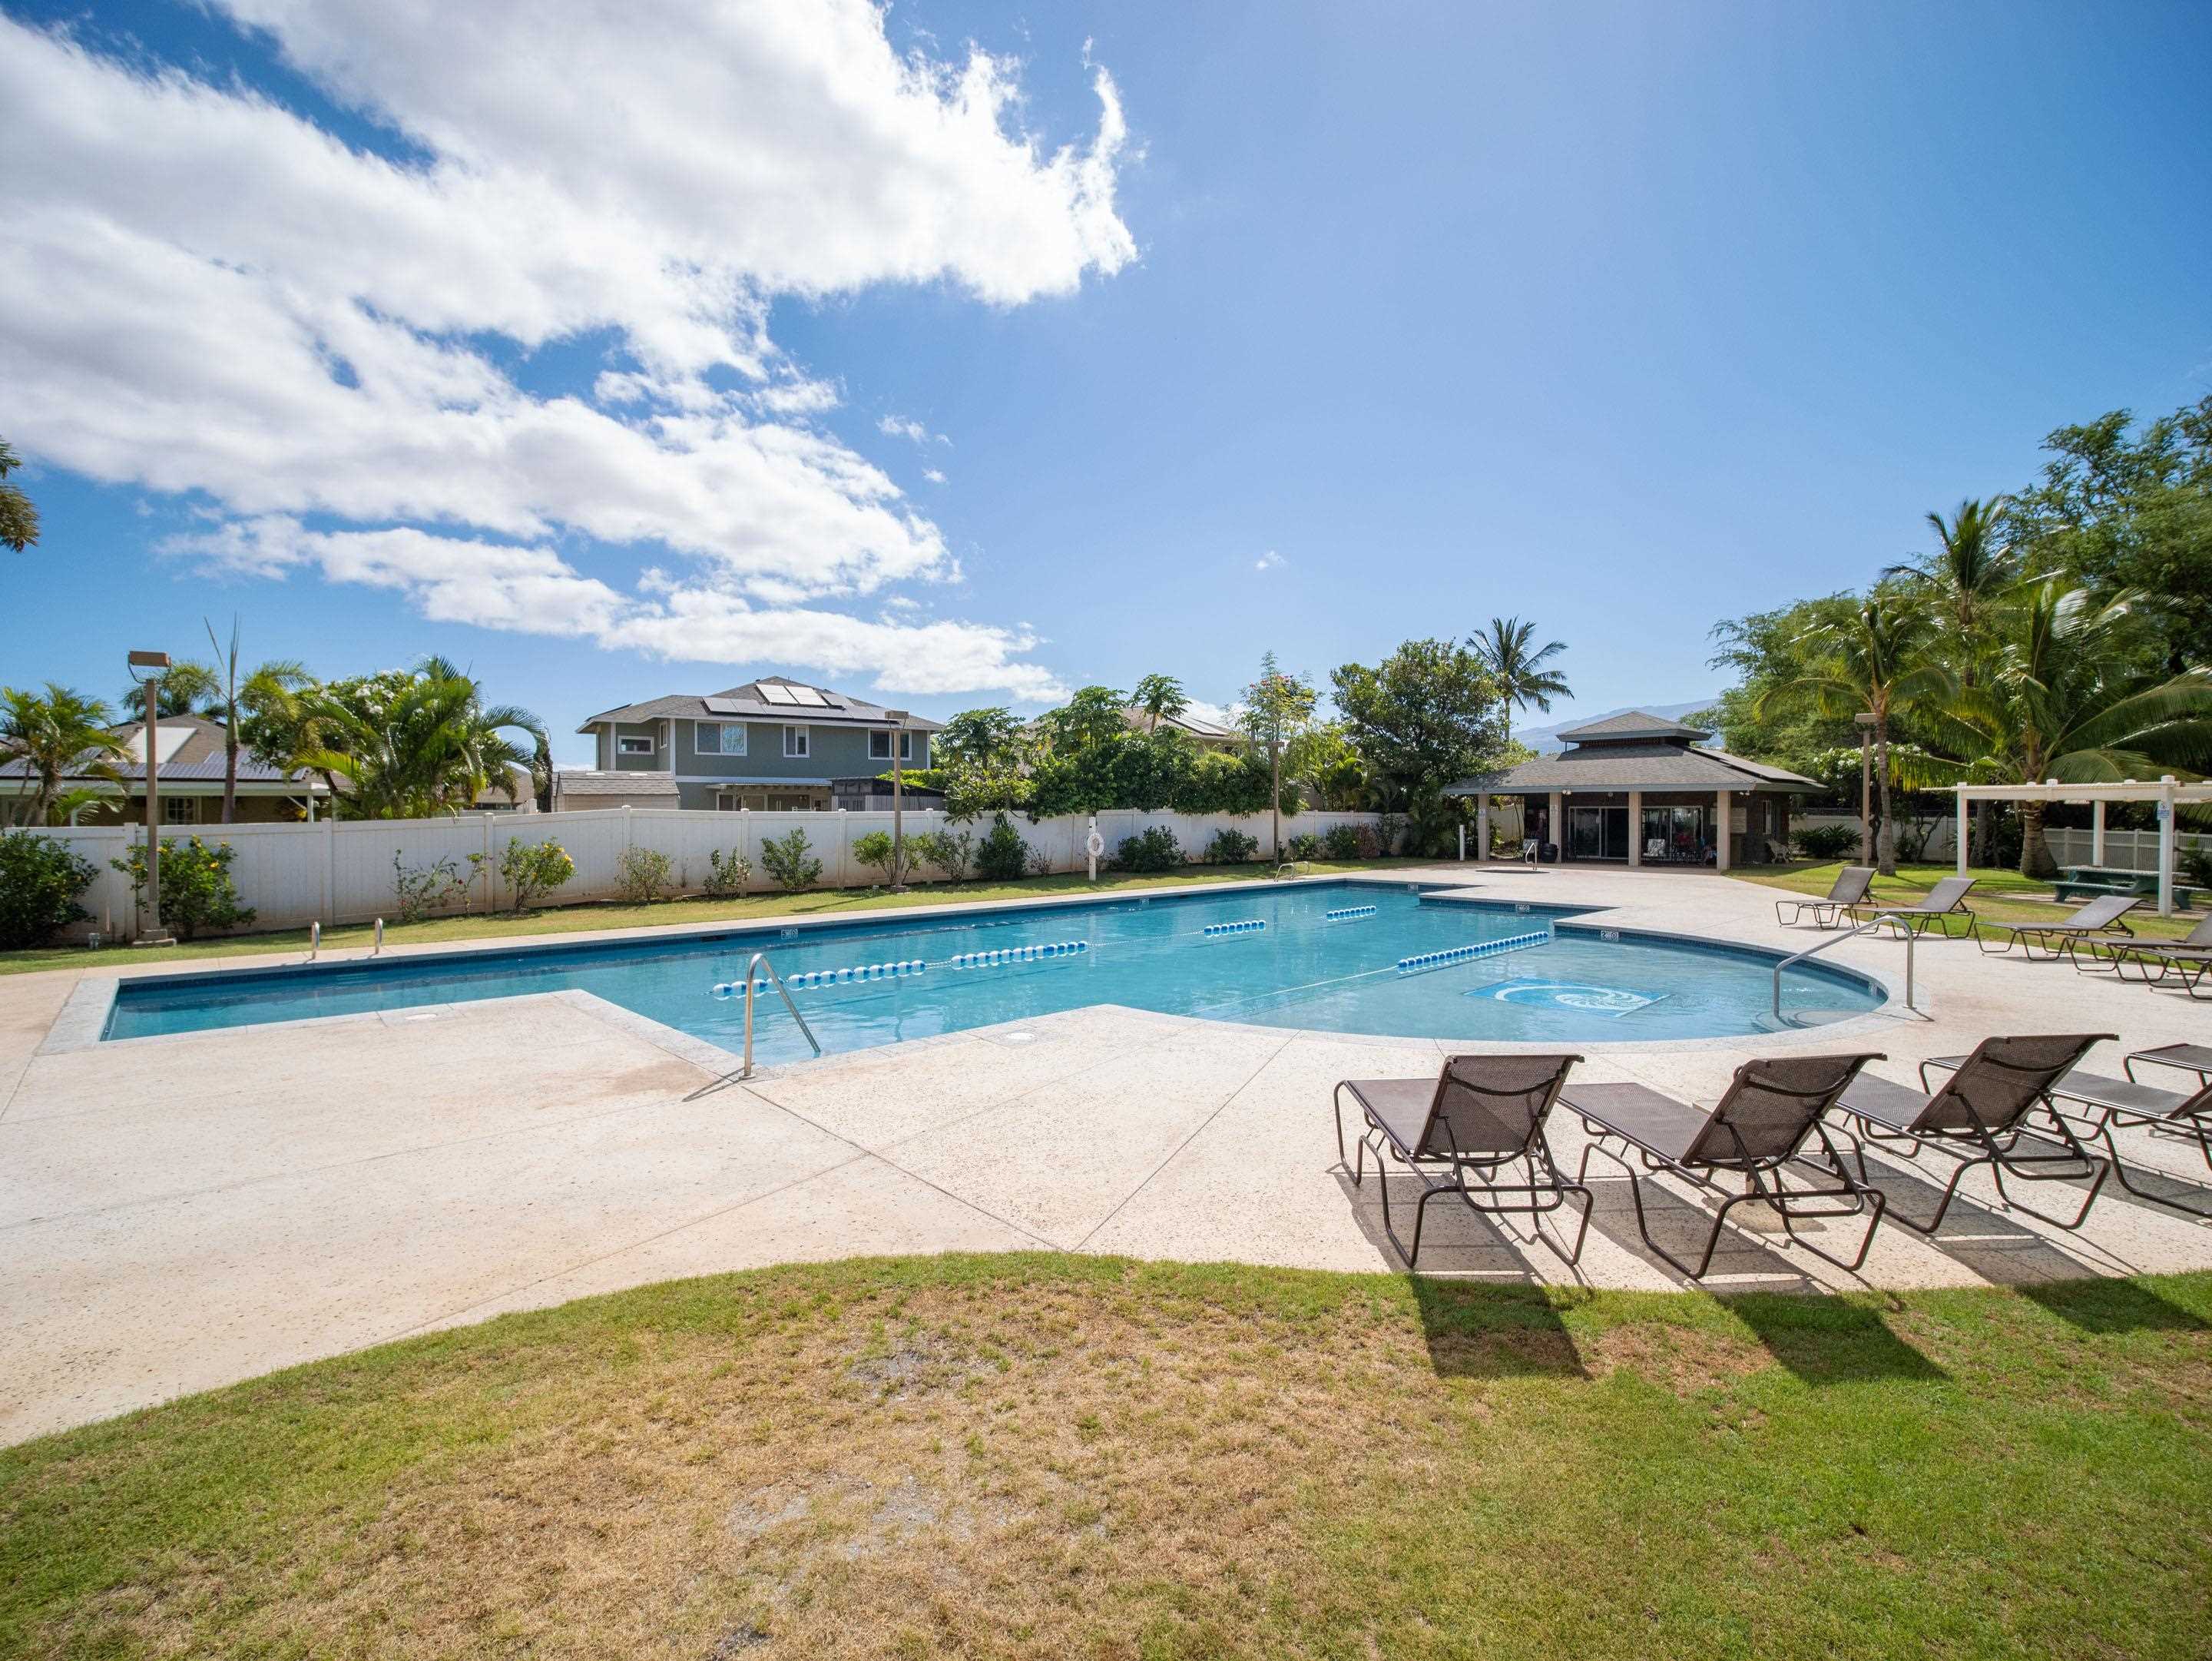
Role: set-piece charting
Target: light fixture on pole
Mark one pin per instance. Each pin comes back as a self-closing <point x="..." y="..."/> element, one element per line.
<point x="1865" y="720"/>
<point x="897" y="718"/>
<point x="151" y="686"/>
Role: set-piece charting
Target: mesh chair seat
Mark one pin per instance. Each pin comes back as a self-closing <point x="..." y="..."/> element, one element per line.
<point x="1399" y="1108"/>
<point x="1669" y="1129"/>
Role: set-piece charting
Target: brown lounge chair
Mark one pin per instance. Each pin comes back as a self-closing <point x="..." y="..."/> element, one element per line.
<point x="2099" y="920"/>
<point x="2106" y="1104"/>
<point x="2189" y="958"/>
<point x="1849" y="890"/>
<point x="1947" y="899"/>
<point x="1760" y="1126"/>
<point x="1480" y="1114"/>
<point x="1977" y="1116"/>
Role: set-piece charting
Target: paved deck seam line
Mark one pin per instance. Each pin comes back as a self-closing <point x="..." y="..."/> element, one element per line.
<point x="1176" y="1153"/>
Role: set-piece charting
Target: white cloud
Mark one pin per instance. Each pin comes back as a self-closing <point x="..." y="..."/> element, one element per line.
<point x="201" y="291"/>
<point x="898" y="427"/>
<point x="533" y="590"/>
<point x="1270" y="561"/>
<point x="934" y="475"/>
<point x="1221" y="714"/>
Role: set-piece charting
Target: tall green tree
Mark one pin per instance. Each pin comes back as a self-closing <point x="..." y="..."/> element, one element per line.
<point x="56" y="734"/>
<point x="1161" y="697"/>
<point x="1516" y="666"/>
<point x="2067" y="700"/>
<point x="986" y="738"/>
<point x="1276" y="708"/>
<point x="1090" y="720"/>
<point x="269" y="689"/>
<point x="1883" y="662"/>
<point x="186" y="686"/>
<point x="1425" y="717"/>
<point x="432" y="749"/>
<point x="19" y="519"/>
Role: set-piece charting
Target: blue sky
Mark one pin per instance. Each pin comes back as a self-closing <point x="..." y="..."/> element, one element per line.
<point x="1377" y="322"/>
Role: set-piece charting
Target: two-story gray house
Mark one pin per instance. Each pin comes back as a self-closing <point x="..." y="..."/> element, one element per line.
<point x="770" y="745"/>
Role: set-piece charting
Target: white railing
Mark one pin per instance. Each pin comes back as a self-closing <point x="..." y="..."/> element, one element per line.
<point x="337" y="872"/>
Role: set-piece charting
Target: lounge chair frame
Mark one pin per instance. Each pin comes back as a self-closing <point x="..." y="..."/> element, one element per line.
<point x="2101" y="1118"/>
<point x="1762" y="1173"/>
<point x="1545" y="1190"/>
<point x="1853" y="886"/>
<point x="1979" y="1142"/>
<point x="2188" y="959"/>
<point x="1919" y="919"/>
<point x="2068" y="933"/>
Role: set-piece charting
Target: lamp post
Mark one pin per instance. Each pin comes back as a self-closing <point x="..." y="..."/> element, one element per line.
<point x="157" y="661"/>
<point x="1866" y="718"/>
<point x="897" y="718"/>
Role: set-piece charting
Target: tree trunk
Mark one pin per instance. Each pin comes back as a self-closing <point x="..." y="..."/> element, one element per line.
<point x="1885" y="846"/>
<point x="2035" y="859"/>
<point x="230" y="770"/>
<point x="1275" y="800"/>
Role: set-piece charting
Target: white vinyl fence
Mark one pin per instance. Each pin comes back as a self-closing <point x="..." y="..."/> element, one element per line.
<point x="341" y="871"/>
<point x="2125" y="850"/>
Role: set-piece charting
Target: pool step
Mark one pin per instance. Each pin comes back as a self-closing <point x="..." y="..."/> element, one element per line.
<point x="1421" y="962"/>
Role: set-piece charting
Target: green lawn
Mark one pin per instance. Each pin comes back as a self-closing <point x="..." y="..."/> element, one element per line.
<point x="564" y="920"/>
<point x="2000" y="895"/>
<point x="1048" y="1455"/>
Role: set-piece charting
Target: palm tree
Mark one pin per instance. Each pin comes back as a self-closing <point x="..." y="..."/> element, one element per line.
<point x="1882" y="661"/>
<point x="266" y="691"/>
<point x="1518" y="668"/>
<point x="1161" y="697"/>
<point x="59" y="735"/>
<point x="2066" y="701"/>
<point x="185" y="688"/>
<point x="19" y="519"/>
<point x="432" y="752"/>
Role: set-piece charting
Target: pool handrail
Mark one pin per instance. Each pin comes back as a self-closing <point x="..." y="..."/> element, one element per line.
<point x="752" y="982"/>
<point x="1912" y="939"/>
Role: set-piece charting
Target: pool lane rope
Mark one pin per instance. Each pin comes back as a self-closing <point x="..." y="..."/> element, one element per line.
<point x="1250" y="926"/>
<point x="1015" y="954"/>
<point x="1348" y="913"/>
<point x="1424" y="961"/>
<point x="809" y="979"/>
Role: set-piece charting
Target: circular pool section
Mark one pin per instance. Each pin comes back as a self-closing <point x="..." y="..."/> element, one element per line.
<point x="1347" y="957"/>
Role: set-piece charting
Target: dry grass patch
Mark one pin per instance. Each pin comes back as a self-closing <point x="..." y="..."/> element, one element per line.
<point x="1043" y="1456"/>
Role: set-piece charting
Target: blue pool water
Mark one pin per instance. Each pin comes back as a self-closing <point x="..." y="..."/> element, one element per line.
<point x="1410" y="967"/>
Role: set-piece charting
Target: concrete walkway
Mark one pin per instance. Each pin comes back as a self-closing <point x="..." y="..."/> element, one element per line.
<point x="183" y="1213"/>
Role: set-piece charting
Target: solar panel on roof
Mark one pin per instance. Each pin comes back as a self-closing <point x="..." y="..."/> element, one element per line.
<point x="808" y="696"/>
<point x="775" y="692"/>
<point x="723" y="707"/>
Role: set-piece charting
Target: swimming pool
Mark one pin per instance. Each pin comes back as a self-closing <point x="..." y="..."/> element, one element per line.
<point x="1340" y="956"/>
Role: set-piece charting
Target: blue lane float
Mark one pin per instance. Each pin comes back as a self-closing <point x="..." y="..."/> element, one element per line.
<point x="1251" y="925"/>
<point x="808" y="979"/>
<point x="1348" y="913"/>
<point x="1426" y="960"/>
<point x="736" y="988"/>
<point x="1015" y="954"/>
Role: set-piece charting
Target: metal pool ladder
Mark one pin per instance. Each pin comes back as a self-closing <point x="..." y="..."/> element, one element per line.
<point x="752" y="982"/>
<point x="1912" y="940"/>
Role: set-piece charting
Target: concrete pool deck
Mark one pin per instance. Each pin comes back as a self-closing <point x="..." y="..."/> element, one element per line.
<point x="183" y="1212"/>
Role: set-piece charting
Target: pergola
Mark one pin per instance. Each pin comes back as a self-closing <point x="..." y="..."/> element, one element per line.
<point x="2167" y="793"/>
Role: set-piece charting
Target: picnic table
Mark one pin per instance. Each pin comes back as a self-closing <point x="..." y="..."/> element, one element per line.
<point x="2084" y="882"/>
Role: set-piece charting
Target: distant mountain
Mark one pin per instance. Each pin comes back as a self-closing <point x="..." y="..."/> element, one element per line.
<point x="1545" y="740"/>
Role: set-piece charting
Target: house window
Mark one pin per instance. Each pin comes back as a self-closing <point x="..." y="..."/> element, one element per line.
<point x="180" y="809"/>
<point x="721" y="739"/>
<point x="879" y="747"/>
<point x="795" y="746"/>
<point x="631" y="746"/>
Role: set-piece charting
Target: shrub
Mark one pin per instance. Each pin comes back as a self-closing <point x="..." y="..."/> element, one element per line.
<point x="1232" y="848"/>
<point x="876" y="849"/>
<point x="1303" y="846"/>
<point x="39" y="881"/>
<point x="1341" y="842"/>
<point x="1826" y="842"/>
<point x="950" y="852"/>
<point x="727" y="874"/>
<point x="533" y="869"/>
<point x="419" y="889"/>
<point x="644" y="875"/>
<point x="1368" y="840"/>
<point x="196" y="889"/>
<point x="1154" y="848"/>
<point x="1391" y="831"/>
<point x="1002" y="855"/>
<point x="2196" y="865"/>
<point x="785" y="859"/>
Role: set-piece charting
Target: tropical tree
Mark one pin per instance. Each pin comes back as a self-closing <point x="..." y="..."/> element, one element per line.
<point x="185" y="687"/>
<point x="1425" y="717"/>
<point x="1092" y="719"/>
<point x="432" y="751"/>
<point x="270" y="690"/>
<point x="2067" y="700"/>
<point x="1516" y="668"/>
<point x="1276" y="708"/>
<point x="985" y="739"/>
<point x="1882" y="661"/>
<point x="1161" y="697"/>
<point x="56" y="734"/>
<point x="19" y="519"/>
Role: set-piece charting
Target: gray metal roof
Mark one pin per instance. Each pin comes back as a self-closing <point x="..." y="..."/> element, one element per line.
<point x="746" y="702"/>
<point x="199" y="756"/>
<point x="1635" y="724"/>
<point x="590" y="781"/>
<point x="1637" y="767"/>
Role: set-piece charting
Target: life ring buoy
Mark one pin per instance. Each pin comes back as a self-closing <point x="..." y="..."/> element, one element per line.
<point x="1094" y="845"/>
